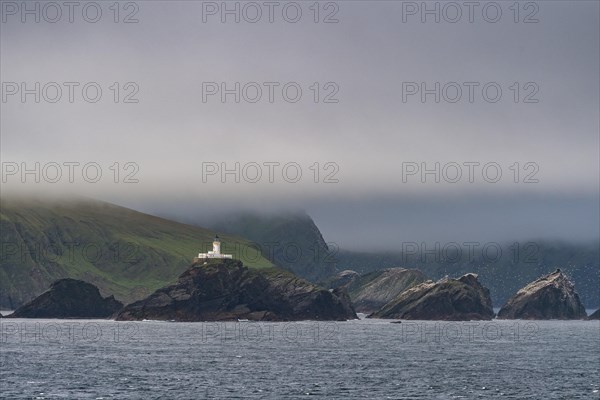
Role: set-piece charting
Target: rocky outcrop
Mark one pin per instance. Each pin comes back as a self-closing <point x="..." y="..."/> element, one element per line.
<point x="224" y="290"/>
<point x="69" y="298"/>
<point x="345" y="301"/>
<point x="552" y="296"/>
<point x="460" y="299"/>
<point x="372" y="291"/>
<point x="595" y="314"/>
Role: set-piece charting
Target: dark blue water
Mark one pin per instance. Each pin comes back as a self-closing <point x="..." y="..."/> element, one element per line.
<point x="83" y="359"/>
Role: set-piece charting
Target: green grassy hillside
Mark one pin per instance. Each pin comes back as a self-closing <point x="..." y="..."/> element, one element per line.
<point x="125" y="253"/>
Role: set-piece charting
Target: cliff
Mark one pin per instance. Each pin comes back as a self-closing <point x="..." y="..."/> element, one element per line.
<point x="290" y="240"/>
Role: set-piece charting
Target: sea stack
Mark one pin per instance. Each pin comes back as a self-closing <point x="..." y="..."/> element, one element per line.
<point x="552" y="296"/>
<point x="69" y="298"/>
<point x="461" y="299"/>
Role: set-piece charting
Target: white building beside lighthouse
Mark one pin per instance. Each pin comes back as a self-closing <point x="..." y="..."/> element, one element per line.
<point x="216" y="251"/>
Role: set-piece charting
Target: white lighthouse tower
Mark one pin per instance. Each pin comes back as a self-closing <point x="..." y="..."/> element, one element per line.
<point x="216" y="251"/>
<point x="217" y="245"/>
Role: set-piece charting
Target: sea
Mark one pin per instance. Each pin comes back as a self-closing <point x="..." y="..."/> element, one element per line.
<point x="360" y="359"/>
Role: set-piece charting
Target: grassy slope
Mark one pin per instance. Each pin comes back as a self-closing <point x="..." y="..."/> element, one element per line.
<point x="123" y="252"/>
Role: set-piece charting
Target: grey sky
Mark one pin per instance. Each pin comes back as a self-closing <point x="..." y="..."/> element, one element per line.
<point x="368" y="134"/>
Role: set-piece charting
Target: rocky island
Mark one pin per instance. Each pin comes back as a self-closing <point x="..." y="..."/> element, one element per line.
<point x="552" y="296"/>
<point x="226" y="290"/>
<point x="69" y="298"/>
<point x="461" y="299"/>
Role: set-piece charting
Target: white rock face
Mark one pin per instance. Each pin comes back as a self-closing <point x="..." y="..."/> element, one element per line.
<point x="552" y="296"/>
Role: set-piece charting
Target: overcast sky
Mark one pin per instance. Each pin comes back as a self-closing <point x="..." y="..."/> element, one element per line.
<point x="370" y="130"/>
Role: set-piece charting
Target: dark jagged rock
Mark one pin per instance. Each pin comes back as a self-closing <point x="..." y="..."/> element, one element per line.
<point x="372" y="291"/>
<point x="460" y="299"/>
<point x="552" y="296"/>
<point x="595" y="315"/>
<point x="342" y="294"/>
<point x="69" y="298"/>
<point x="224" y="290"/>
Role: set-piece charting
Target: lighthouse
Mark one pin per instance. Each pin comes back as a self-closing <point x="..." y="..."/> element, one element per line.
<point x="215" y="253"/>
<point x="217" y="245"/>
